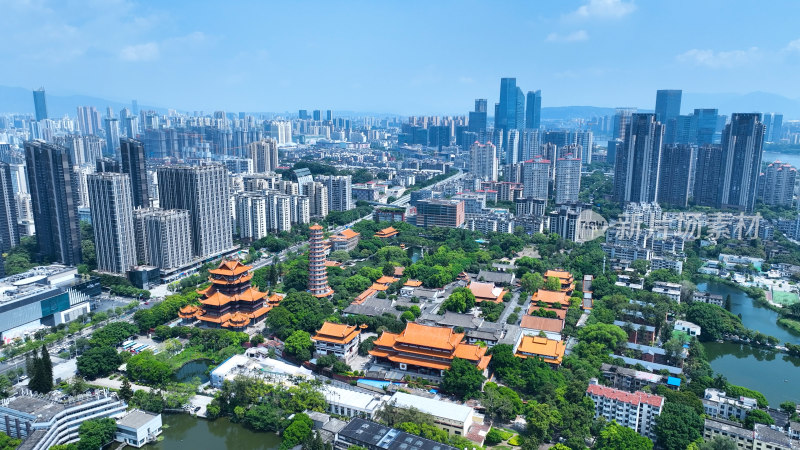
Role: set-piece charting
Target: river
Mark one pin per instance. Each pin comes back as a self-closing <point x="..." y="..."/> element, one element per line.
<point x="774" y="374"/>
<point x="791" y="158"/>
<point x="187" y="432"/>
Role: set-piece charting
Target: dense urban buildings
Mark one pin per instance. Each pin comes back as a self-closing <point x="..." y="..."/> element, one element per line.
<point x="777" y="184"/>
<point x="163" y="238"/>
<point x="533" y="111"/>
<point x="264" y="154"/>
<point x="742" y="142"/>
<point x="54" y="197"/>
<point x="708" y="176"/>
<point x="340" y="195"/>
<point x="112" y="221"/>
<point x="638" y="161"/>
<point x="674" y="182"/>
<point x="440" y="213"/>
<point x="483" y="161"/>
<point x="568" y="179"/>
<point x="9" y="233"/>
<point x="203" y="191"/>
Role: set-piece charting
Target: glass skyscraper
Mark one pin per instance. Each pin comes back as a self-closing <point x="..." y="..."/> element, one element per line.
<point x="533" y="111"/>
<point x="40" y="104"/>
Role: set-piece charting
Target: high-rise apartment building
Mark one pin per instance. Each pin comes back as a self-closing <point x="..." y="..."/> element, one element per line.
<point x="638" y="161"/>
<point x="483" y="161"/>
<point x="622" y="121"/>
<point x="340" y="193"/>
<point x="251" y="215"/>
<point x="133" y="163"/>
<point x="317" y="272"/>
<point x="536" y="179"/>
<point x="281" y="131"/>
<point x="585" y="139"/>
<point x="264" y="154"/>
<point x="54" y="197"/>
<point x="318" y="198"/>
<point x="742" y="142"/>
<point x="89" y="120"/>
<point x="533" y="110"/>
<point x="774" y="127"/>
<point x="204" y="192"/>
<point x="40" y="104"/>
<point x="568" y="179"/>
<point x="677" y="165"/>
<point x="637" y="410"/>
<point x="706" y="121"/>
<point x="163" y="237"/>
<point x="9" y="234"/>
<point x="777" y="187"/>
<point x="111" y="126"/>
<point x="112" y="221"/>
<point x="708" y="176"/>
<point x="530" y="144"/>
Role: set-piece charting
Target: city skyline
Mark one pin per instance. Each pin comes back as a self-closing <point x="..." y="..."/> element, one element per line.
<point x="262" y="61"/>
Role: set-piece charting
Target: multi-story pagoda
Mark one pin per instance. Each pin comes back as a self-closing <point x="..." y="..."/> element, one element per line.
<point x="317" y="271"/>
<point x="230" y="302"/>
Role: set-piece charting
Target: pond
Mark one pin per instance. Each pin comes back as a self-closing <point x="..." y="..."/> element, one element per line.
<point x="197" y="368"/>
<point x="187" y="432"/>
<point x="774" y="374"/>
<point x="755" y="317"/>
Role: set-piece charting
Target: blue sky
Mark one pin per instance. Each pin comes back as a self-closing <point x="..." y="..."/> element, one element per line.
<point x="407" y="57"/>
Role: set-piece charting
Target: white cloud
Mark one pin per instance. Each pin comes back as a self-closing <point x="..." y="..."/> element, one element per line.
<point x="603" y="9"/>
<point x="794" y="46"/>
<point x="720" y="60"/>
<point x="140" y="52"/>
<point x="576" y="36"/>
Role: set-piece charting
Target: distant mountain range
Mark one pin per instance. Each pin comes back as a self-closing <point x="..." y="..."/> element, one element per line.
<point x="20" y="100"/>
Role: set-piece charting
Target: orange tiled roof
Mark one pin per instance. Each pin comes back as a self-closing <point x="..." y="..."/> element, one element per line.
<point x="484" y="362"/>
<point x="329" y="263"/>
<point x="347" y="233"/>
<point x="413" y="283"/>
<point x="230" y="268"/>
<point x="542" y="323"/>
<point x="336" y="332"/>
<point x="560" y="313"/>
<point x="386" y="339"/>
<point x="470" y="352"/>
<point x="430" y="336"/>
<point x="237" y="320"/>
<point x="549" y="350"/>
<point x="379" y="287"/>
<point x="189" y="312"/>
<point x="419" y="362"/>
<point x="398" y="271"/>
<point x="486" y="291"/>
<point x="386" y="232"/>
<point x="220" y="319"/>
<point x="551" y="297"/>
<point x="560" y="274"/>
<point x="362" y="297"/>
<point x="316" y="226"/>
<point x="386" y="280"/>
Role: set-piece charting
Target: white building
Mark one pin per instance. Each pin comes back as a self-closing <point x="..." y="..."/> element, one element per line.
<point x="688" y="327"/>
<point x="536" y="179"/>
<point x="568" y="179"/>
<point x="137" y="428"/>
<point x="671" y="290"/>
<point x="452" y="417"/>
<point x="337" y="339"/>
<point x="281" y="131"/>
<point x="483" y="161"/>
<point x="706" y="297"/>
<point x="254" y="364"/>
<point x="112" y="221"/>
<point x="340" y="194"/>
<point x="717" y="404"/>
<point x="637" y="410"/>
<point x="352" y="403"/>
<point x="264" y="154"/>
<point x="163" y="237"/>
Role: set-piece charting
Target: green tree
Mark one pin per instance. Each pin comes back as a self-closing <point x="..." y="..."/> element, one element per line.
<point x="462" y="379"/>
<point x="98" y="362"/>
<point x="299" y="345"/>
<point x="552" y="284"/>
<point x="9" y="443"/>
<point x="542" y="419"/>
<point x="618" y="437"/>
<point x="461" y="300"/>
<point x="147" y="368"/>
<point x="47" y="369"/>
<point x="501" y="402"/>
<point x="531" y="282"/>
<point x="755" y="416"/>
<point x="77" y="385"/>
<point x="357" y="283"/>
<point x="298" y="431"/>
<point x="96" y="433"/>
<point x="789" y="408"/>
<point x="677" y="426"/>
<point x="719" y="443"/>
<point x="125" y="391"/>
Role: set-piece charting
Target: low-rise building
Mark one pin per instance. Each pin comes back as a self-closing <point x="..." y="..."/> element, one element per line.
<point x="550" y="299"/>
<point x="671" y="290"/>
<point x="762" y="437"/>
<point x="707" y="297"/>
<point x="451" y="417"/>
<point x="337" y="339"/>
<point x="386" y="233"/>
<point x="688" y="327"/>
<point x="352" y="402"/>
<point x="487" y="292"/>
<point x="374" y="436"/>
<point x="632" y="380"/>
<point x="637" y="410"/>
<point x="536" y="326"/>
<point x="255" y="364"/>
<point x="717" y="404"/>
<point x="564" y="277"/>
<point x="346" y="240"/>
<point x="137" y="428"/>
<point x="550" y="350"/>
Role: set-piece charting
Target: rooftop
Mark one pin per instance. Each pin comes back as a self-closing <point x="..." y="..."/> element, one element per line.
<point x="135" y="419"/>
<point x="731" y="428"/>
<point x="765" y="433"/>
<point x="542" y="323"/>
<point x="550" y="350"/>
<point x="634" y="398"/>
<point x="550" y="297"/>
<point x="434" y="407"/>
<point x="373" y="434"/>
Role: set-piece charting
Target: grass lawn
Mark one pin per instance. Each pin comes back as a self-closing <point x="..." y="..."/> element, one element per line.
<point x="784" y="298"/>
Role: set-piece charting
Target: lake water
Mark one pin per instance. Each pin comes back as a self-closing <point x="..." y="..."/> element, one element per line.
<point x="186" y="432"/>
<point x="193" y="369"/>
<point x="793" y="159"/>
<point x="774" y="374"/>
<point x="754" y="317"/>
